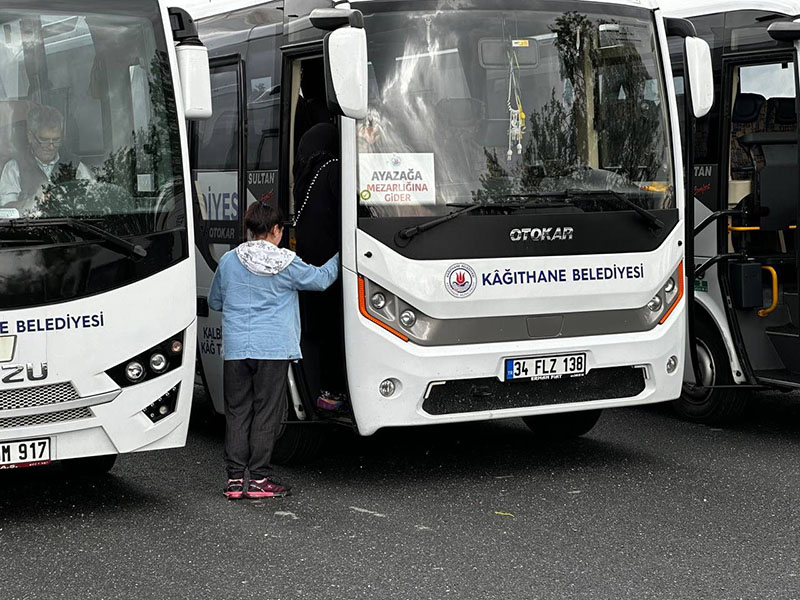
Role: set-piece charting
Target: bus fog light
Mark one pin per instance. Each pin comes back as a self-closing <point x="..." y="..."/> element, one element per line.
<point x="669" y="287"/>
<point x="158" y="362"/>
<point x="672" y="364"/>
<point x="655" y="304"/>
<point x="134" y="371"/>
<point x="176" y="347"/>
<point x="387" y="388"/>
<point x="163" y="407"/>
<point x="408" y="318"/>
<point x="378" y="301"/>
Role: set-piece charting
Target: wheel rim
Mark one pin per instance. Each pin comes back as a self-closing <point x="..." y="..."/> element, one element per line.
<point x="708" y="375"/>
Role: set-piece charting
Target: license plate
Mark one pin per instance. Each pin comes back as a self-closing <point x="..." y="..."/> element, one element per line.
<point x="24" y="453"/>
<point x="546" y="367"/>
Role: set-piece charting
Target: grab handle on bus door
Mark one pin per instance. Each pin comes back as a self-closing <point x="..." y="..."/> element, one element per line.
<point x="765" y="311"/>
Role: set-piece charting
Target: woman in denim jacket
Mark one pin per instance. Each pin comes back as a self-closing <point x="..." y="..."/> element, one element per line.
<point x="256" y="287"/>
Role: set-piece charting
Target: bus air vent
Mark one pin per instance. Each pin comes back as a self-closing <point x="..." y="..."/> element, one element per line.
<point x="46" y="418"/>
<point x="489" y="393"/>
<point x="40" y="395"/>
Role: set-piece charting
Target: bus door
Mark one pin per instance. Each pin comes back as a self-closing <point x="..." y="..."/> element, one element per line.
<point x="217" y="158"/>
<point x="303" y="106"/>
<point x="763" y="177"/>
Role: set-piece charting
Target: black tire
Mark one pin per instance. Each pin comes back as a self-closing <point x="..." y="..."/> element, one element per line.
<point x="297" y="443"/>
<point x="89" y="466"/>
<point x="717" y="405"/>
<point x="562" y="426"/>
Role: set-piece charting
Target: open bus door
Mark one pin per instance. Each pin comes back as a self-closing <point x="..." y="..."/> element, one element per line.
<point x="746" y="319"/>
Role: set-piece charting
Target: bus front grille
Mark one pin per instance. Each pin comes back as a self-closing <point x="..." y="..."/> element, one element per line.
<point x="489" y="393"/>
<point x="41" y="395"/>
<point x="46" y="418"/>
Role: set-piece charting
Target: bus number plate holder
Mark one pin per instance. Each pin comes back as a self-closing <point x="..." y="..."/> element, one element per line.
<point x="536" y="368"/>
<point x="24" y="453"/>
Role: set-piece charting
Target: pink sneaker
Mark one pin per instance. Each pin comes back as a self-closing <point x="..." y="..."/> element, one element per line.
<point x="327" y="401"/>
<point x="234" y="489"/>
<point x="266" y="488"/>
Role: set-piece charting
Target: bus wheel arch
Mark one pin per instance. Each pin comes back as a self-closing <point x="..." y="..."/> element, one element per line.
<point x="704" y="405"/>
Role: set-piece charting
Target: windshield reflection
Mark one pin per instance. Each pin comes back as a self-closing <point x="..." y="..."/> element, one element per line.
<point x="470" y="106"/>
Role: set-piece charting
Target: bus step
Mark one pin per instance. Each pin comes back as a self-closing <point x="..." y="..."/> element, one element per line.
<point x="778" y="378"/>
<point x="786" y="341"/>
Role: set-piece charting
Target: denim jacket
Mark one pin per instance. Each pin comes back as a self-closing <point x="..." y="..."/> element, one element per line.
<point x="256" y="287"/>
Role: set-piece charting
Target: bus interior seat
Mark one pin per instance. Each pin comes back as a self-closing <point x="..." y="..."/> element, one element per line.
<point x="781" y="114"/>
<point x="749" y="116"/>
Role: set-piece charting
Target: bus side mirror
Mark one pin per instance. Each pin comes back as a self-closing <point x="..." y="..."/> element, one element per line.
<point x="345" y="53"/>
<point x="195" y="78"/>
<point x="785" y="31"/>
<point x="701" y="75"/>
<point x="193" y="69"/>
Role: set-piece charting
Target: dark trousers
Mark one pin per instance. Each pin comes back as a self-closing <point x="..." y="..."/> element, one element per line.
<point x="255" y="401"/>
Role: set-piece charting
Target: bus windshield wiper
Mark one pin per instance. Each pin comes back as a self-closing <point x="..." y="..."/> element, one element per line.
<point x="407" y="233"/>
<point x="117" y="242"/>
<point x="580" y="194"/>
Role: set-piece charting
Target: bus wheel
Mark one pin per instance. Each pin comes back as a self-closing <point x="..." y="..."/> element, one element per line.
<point x="561" y="426"/>
<point x="704" y="405"/>
<point x="89" y="466"/>
<point x="297" y="443"/>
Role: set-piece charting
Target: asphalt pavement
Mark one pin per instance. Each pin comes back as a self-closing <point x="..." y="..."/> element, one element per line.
<point x="644" y="506"/>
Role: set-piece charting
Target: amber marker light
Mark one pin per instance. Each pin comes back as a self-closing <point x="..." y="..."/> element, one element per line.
<point x="678" y="297"/>
<point x="362" y="307"/>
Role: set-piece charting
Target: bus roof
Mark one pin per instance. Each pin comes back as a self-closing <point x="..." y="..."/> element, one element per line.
<point x="200" y="9"/>
<point x="693" y="8"/>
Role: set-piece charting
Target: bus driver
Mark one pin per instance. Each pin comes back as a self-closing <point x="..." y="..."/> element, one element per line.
<point x="25" y="178"/>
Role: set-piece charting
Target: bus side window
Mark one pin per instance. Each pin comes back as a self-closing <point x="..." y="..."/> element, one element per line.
<point x="263" y="103"/>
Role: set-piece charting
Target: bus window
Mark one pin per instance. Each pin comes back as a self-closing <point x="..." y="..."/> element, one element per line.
<point x="215" y="161"/>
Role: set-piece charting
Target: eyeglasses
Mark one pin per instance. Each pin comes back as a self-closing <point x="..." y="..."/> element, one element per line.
<point x="53" y="142"/>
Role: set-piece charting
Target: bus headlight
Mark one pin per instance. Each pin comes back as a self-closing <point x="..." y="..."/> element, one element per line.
<point x="664" y="302"/>
<point x="155" y="361"/>
<point x="408" y="318"/>
<point x="158" y="363"/>
<point x="134" y="371"/>
<point x="655" y="304"/>
<point x="378" y="301"/>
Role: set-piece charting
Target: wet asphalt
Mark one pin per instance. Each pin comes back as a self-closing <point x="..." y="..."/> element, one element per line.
<point x="644" y="506"/>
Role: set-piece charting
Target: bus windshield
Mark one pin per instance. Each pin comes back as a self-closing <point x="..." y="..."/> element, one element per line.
<point x="513" y="106"/>
<point x="87" y="121"/>
<point x="90" y="150"/>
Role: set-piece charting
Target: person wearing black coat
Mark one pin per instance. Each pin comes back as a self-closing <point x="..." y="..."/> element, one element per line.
<point x="317" y="201"/>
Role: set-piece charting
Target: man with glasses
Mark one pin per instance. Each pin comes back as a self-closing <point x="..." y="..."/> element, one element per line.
<point x="25" y="179"/>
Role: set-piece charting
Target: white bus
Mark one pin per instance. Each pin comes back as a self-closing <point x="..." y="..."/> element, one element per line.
<point x="747" y="185"/>
<point x="512" y="201"/>
<point x="97" y="302"/>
